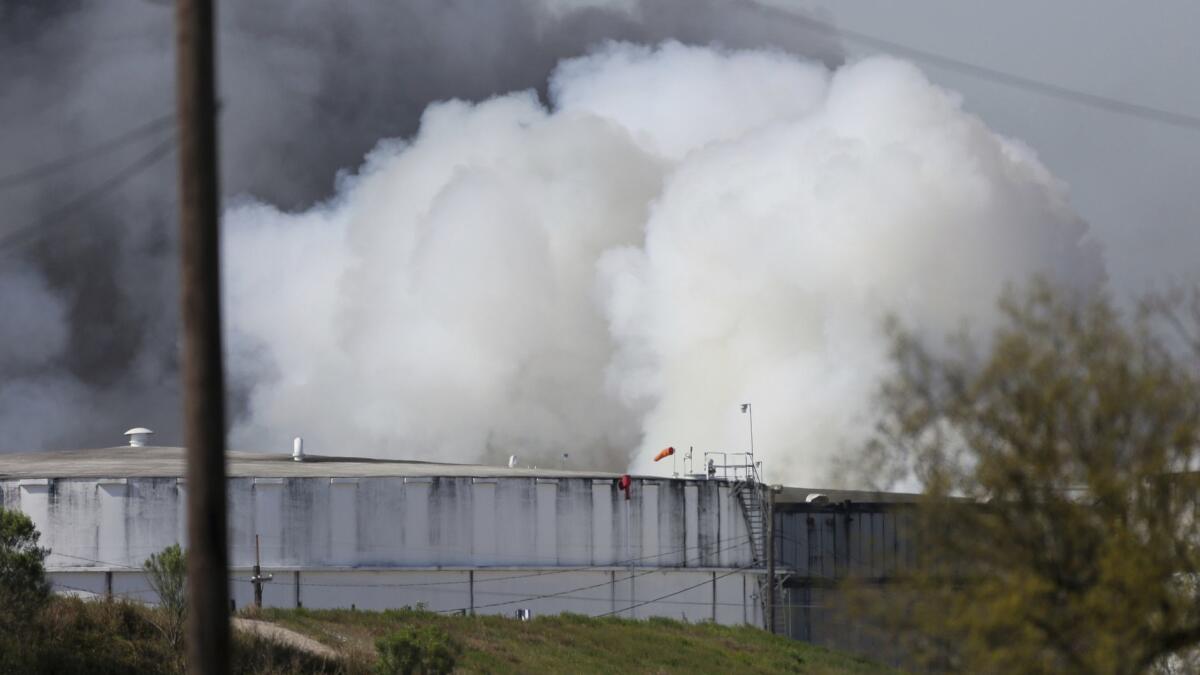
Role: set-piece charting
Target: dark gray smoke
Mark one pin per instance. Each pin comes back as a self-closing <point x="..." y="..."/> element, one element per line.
<point x="88" y="325"/>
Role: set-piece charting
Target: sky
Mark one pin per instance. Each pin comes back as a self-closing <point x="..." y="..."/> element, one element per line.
<point x="1132" y="179"/>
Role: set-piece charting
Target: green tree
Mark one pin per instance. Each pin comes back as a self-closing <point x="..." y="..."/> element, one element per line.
<point x="24" y="591"/>
<point x="1059" y="529"/>
<point x="166" y="572"/>
<point x="23" y="585"/>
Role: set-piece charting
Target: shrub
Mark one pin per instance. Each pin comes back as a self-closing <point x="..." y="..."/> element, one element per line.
<point x="166" y="572"/>
<point x="97" y="638"/>
<point x="424" y="650"/>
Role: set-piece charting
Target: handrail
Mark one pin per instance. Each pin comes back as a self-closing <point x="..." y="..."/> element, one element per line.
<point x="746" y="470"/>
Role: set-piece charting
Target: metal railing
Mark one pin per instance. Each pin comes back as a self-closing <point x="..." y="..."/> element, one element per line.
<point x="733" y="466"/>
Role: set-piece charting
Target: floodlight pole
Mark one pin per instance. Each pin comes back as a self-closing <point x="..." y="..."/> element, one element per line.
<point x="748" y="408"/>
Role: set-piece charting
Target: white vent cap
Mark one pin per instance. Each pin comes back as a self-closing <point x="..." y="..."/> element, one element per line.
<point x="298" y="449"/>
<point x="138" y="436"/>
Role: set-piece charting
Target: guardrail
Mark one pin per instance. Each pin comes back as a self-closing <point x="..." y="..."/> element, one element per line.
<point x="733" y="466"/>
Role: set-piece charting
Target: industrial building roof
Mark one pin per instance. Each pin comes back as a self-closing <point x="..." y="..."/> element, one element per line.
<point x="159" y="462"/>
<point x="801" y="495"/>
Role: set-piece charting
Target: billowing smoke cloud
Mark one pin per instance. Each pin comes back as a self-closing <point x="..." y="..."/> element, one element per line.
<point x="308" y="87"/>
<point x="679" y="230"/>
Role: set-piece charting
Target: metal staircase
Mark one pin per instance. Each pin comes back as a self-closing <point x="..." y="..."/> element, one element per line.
<point x="750" y="496"/>
<point x="743" y="471"/>
<point x="740" y="469"/>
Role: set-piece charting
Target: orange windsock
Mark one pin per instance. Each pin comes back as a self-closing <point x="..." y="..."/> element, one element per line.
<point x="666" y="452"/>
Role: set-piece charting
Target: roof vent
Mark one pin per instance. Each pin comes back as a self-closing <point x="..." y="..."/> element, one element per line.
<point x="138" y="436"/>
<point x="298" y="449"/>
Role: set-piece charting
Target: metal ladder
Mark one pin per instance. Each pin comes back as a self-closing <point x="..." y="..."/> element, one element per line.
<point x="743" y="471"/>
<point x="749" y="495"/>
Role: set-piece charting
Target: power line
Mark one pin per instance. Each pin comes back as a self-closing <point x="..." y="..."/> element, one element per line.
<point x="129" y="596"/>
<point x="608" y="582"/>
<point x="48" y="168"/>
<point x="592" y="568"/>
<point x="518" y="597"/>
<point x="545" y="596"/>
<point x="30" y="232"/>
<point x="102" y="562"/>
<point x="1176" y="119"/>
<point x="541" y="573"/>
<point x="674" y="593"/>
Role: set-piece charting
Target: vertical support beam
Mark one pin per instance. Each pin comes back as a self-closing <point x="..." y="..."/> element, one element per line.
<point x="629" y="557"/>
<point x="612" y="592"/>
<point x="648" y="525"/>
<point x="771" y="558"/>
<point x="296" y="581"/>
<point x="786" y="602"/>
<point x="632" y="593"/>
<point x="471" y="589"/>
<point x="484" y="542"/>
<point x="203" y="377"/>
<point x="745" y="610"/>
<point x="546" y="525"/>
<point x="714" y="597"/>
<point x="108" y="595"/>
<point x="112" y="545"/>
<point x="692" y="555"/>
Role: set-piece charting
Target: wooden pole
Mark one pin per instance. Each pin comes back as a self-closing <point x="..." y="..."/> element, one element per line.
<point x="257" y="576"/>
<point x="203" y="377"/>
<point x="257" y="579"/>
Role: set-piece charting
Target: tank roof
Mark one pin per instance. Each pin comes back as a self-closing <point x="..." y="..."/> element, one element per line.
<point x="166" y="462"/>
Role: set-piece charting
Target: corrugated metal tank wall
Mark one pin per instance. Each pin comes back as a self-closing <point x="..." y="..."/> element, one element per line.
<point x="818" y="547"/>
<point x="397" y="522"/>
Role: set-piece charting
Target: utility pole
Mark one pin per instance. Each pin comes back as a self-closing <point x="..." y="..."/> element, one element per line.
<point x="771" y="558"/>
<point x="200" y="301"/>
<point x="258" y="579"/>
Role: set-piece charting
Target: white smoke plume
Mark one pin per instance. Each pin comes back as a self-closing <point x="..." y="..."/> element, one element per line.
<point x="682" y="229"/>
<point x="307" y="87"/>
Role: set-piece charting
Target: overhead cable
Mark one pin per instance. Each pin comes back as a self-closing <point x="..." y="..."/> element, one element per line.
<point x="41" y="171"/>
<point x="26" y="234"/>
<point x="1172" y="118"/>
<point x="674" y="593"/>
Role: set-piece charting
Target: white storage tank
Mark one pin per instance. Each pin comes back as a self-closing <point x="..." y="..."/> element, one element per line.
<point x="377" y="534"/>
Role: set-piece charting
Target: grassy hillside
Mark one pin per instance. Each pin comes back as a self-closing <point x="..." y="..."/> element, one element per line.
<point x="575" y="644"/>
<point x="73" y="636"/>
<point x="69" y="636"/>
